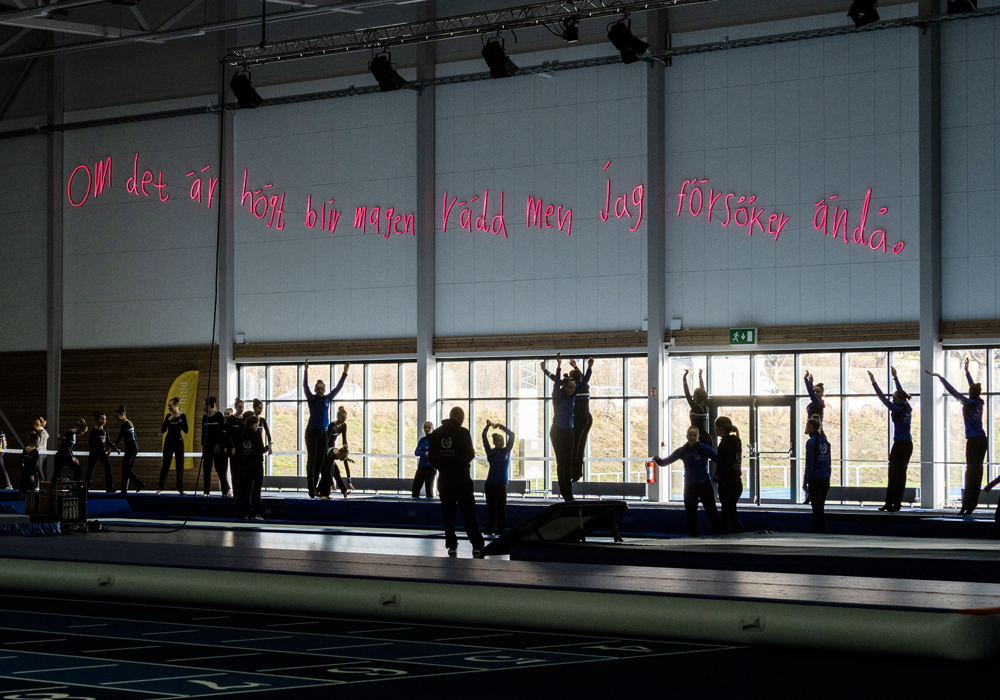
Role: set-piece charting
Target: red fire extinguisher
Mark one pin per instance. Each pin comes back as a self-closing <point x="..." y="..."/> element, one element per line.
<point x="650" y="472"/>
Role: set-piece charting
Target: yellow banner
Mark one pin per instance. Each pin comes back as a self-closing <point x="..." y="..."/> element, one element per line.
<point x="185" y="388"/>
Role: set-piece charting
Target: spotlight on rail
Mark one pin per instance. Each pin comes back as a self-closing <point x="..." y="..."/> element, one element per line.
<point x="243" y="90"/>
<point x="387" y="77"/>
<point x="630" y="47"/>
<point x="571" y="30"/>
<point x="961" y="7"/>
<point x="496" y="59"/>
<point x="863" y="12"/>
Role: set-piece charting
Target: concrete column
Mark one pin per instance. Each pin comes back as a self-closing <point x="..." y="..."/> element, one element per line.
<point x="932" y="438"/>
<point x="54" y="247"/>
<point x="226" y="322"/>
<point x="426" y="220"/>
<point x="656" y="35"/>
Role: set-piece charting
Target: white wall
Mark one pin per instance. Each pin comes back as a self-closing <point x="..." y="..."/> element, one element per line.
<point x="302" y="284"/>
<point x="23" y="232"/>
<point x="140" y="272"/>
<point x="969" y="151"/>
<point x="547" y="137"/>
<point x="792" y="124"/>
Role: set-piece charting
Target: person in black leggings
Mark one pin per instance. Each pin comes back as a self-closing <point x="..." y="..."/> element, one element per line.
<point x="99" y="447"/>
<point x="262" y="426"/>
<point x="729" y="473"/>
<point x="697" y="483"/>
<point x="127" y="433"/>
<point x="561" y="432"/>
<point x="583" y="420"/>
<point x="234" y="429"/>
<point x="65" y="456"/>
<point x="43" y="441"/>
<point x="249" y="460"/>
<point x="3" y="471"/>
<point x="698" y="407"/>
<point x="174" y="425"/>
<point x="29" y="474"/>
<point x="214" y="442"/>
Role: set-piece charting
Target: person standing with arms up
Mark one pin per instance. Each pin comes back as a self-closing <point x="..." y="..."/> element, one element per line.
<point x="498" y="457"/>
<point x="65" y="456"/>
<point x="127" y="433"/>
<point x="451" y="453"/>
<point x="100" y="445"/>
<point x="976" y="442"/>
<point x="902" y="442"/>
<point x="214" y="443"/>
<point x="816" y="480"/>
<point x="583" y="420"/>
<point x="817" y="406"/>
<point x="729" y="473"/>
<point x="698" y="407"/>
<point x="697" y="483"/>
<point x="319" y="421"/>
<point x="425" y="470"/>
<point x="561" y="432"/>
<point x="174" y="425"/>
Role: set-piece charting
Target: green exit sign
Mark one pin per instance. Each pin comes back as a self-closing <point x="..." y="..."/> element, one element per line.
<point x="742" y="336"/>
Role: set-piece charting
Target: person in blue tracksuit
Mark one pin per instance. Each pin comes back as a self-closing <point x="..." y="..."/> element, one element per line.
<point x="498" y="457"/>
<point x="976" y="442"/>
<point x="817" y="405"/>
<point x="816" y="480"/>
<point x="697" y="482"/>
<point x="902" y="441"/>
<point x="424" y="478"/>
<point x="319" y="421"/>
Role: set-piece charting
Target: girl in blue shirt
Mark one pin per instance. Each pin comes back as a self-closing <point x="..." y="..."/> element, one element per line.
<point x="697" y="482"/>
<point x="902" y="441"/>
<point x="498" y="457"/>
<point x="976" y="442"/>
<point x="816" y="480"/>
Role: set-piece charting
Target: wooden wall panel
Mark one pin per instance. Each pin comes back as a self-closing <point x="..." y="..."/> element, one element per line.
<point x="22" y="393"/>
<point x="546" y="342"/>
<point x="99" y="380"/>
<point x="957" y="330"/>
<point x="326" y="348"/>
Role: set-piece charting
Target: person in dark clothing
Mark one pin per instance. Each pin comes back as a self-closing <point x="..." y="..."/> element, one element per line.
<point x="729" y="474"/>
<point x="319" y="421"/>
<point x="902" y="442"/>
<point x="99" y="445"/>
<point x="262" y="426"/>
<point x="65" y="457"/>
<point x="3" y="471"/>
<point x="174" y="425"/>
<point x="816" y="479"/>
<point x="234" y="431"/>
<point x="996" y="518"/>
<point x="583" y="421"/>
<point x="424" y="478"/>
<point x="331" y="472"/>
<point x="817" y="406"/>
<point x="127" y="433"/>
<point x="249" y="460"/>
<point x="29" y="475"/>
<point x="214" y="444"/>
<point x="976" y="442"/>
<point x="498" y="457"/>
<point x="697" y="483"/>
<point x="698" y="407"/>
<point x="561" y="432"/>
<point x="451" y="452"/>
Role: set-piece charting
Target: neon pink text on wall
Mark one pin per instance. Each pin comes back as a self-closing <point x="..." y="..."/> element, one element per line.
<point x="213" y="182"/>
<point x="539" y="215"/>
<point x="274" y="202"/>
<point x="621" y="209"/>
<point x="835" y="223"/>
<point x="372" y="216"/>
<point x="483" y="222"/>
<point x="99" y="180"/>
<point x="697" y="202"/>
<point x="137" y="185"/>
<point x="326" y="221"/>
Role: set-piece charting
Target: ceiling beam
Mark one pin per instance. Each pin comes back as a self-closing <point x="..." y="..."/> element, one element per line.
<point x="179" y="15"/>
<point x="143" y="24"/>
<point x="64" y="27"/>
<point x="14" y="39"/>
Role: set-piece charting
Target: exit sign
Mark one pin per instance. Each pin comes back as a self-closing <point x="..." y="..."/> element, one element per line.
<point x="742" y="336"/>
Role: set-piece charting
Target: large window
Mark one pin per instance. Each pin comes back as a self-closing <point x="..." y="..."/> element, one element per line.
<point x="984" y="366"/>
<point x="517" y="394"/>
<point x="380" y="399"/>
<point x="857" y="425"/>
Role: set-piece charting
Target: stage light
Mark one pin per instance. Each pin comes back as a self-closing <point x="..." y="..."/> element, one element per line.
<point x="863" y="12"/>
<point x="571" y="30"/>
<point x="961" y="7"/>
<point x="243" y="89"/>
<point x="387" y="77"/>
<point x="496" y="59"/>
<point x="620" y="34"/>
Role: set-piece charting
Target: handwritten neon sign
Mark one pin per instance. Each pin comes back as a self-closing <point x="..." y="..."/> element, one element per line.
<point x="838" y="224"/>
<point x="495" y="224"/>
<point x="621" y="203"/>
<point x="751" y="214"/>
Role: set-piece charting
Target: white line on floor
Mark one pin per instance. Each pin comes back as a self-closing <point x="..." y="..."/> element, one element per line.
<point x="76" y="627"/>
<point x="475" y="636"/>
<point x="167" y="678"/>
<point x="150" y="634"/>
<point x="67" y="668"/>
<point x="101" y="651"/>
<point x="386" y="629"/>
<point x="352" y="646"/>
<point x="221" y="656"/>
<point x="254" y="639"/>
<point x="292" y="624"/>
<point x="35" y="641"/>
<point x="217" y="617"/>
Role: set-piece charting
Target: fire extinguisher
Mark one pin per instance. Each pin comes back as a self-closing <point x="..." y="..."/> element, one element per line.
<point x="650" y="472"/>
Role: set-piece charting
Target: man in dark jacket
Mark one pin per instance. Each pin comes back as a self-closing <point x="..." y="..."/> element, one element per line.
<point x="451" y="452"/>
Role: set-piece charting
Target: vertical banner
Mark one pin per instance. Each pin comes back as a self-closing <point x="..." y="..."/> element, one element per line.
<point x="185" y="388"/>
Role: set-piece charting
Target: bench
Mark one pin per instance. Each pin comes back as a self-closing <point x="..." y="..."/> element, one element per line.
<point x="617" y="489"/>
<point x="991" y="498"/>
<point x="377" y="484"/>
<point x="868" y="494"/>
